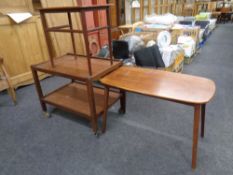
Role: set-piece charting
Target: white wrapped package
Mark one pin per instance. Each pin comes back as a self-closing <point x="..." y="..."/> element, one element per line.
<point x="164" y="39"/>
<point x="201" y="33"/>
<point x="169" y="54"/>
<point x="150" y="43"/>
<point x="188" y="44"/>
<point x="167" y="19"/>
<point x="180" y="18"/>
<point x="212" y="24"/>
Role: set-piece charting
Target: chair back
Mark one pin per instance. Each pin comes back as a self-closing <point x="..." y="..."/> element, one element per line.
<point x="120" y="49"/>
<point x="149" y="57"/>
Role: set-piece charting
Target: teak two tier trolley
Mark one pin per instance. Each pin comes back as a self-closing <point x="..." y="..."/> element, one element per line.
<point x="80" y="96"/>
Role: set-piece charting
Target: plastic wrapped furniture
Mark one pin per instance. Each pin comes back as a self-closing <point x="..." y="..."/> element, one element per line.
<point x="166" y="19"/>
<point x="204" y="25"/>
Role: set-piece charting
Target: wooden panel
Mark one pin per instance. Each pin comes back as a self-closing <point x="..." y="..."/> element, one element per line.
<point x="177" y="7"/>
<point x="15" y="5"/>
<point x="23" y="45"/>
<point x="11" y="50"/>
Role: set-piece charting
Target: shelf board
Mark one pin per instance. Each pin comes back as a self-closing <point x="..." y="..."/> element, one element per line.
<point x="77" y="68"/>
<point x="73" y="97"/>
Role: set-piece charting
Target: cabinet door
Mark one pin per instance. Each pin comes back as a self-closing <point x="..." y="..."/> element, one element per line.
<point x="15" y="5"/>
<point x="23" y="45"/>
<point x="31" y="43"/>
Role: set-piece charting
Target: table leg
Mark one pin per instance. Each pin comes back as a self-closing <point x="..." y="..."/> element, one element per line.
<point x="195" y="134"/>
<point x="203" y="120"/>
<point x="106" y="97"/>
<point x="122" y="102"/>
<point x="39" y="90"/>
<point x="91" y="100"/>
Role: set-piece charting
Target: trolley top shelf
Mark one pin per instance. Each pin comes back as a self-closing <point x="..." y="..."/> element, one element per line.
<point x="77" y="68"/>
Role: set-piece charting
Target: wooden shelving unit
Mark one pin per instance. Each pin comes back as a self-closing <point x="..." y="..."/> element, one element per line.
<point x="80" y="96"/>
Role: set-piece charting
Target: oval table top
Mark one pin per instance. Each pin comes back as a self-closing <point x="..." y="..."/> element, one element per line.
<point x="162" y="84"/>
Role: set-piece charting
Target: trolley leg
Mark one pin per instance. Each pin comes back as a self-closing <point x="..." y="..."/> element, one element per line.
<point x="91" y="100"/>
<point x="39" y="90"/>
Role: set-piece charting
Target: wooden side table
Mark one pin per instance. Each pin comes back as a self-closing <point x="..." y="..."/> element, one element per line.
<point x="5" y="80"/>
<point x="180" y="88"/>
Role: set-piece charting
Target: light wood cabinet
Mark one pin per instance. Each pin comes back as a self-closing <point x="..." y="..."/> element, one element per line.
<point x="22" y="45"/>
<point x="7" y="6"/>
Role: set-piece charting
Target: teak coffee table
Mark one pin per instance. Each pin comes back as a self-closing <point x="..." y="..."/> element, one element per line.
<point x="185" y="89"/>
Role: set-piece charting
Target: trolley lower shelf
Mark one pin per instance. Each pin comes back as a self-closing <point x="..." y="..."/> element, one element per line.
<point x="73" y="97"/>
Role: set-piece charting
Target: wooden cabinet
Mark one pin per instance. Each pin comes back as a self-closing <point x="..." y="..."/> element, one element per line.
<point x="21" y="46"/>
<point x="16" y="6"/>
